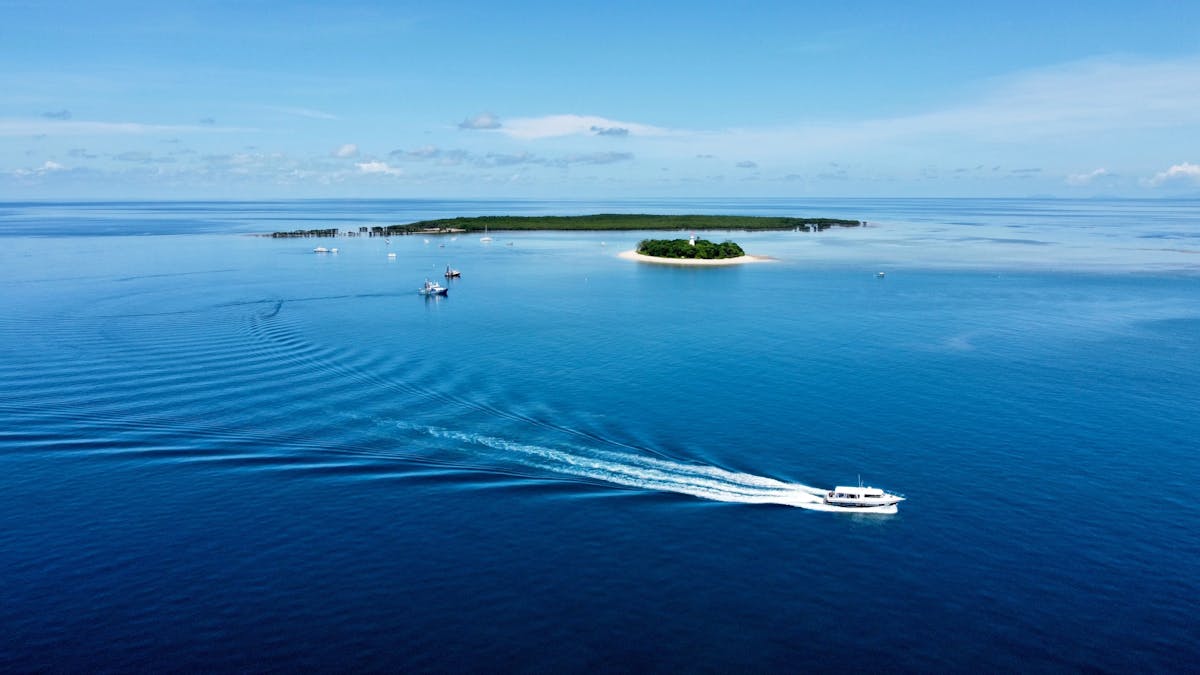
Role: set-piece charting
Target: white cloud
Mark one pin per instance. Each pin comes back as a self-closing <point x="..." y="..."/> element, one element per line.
<point x="1085" y="178"/>
<point x="1066" y="104"/>
<point x="551" y="126"/>
<point x="1084" y="96"/>
<point x="484" y="120"/>
<point x="378" y="167"/>
<point x="302" y="112"/>
<point x="610" y="131"/>
<point x="425" y="151"/>
<point x="347" y="150"/>
<point x="502" y="159"/>
<point x="28" y="127"/>
<point x="1177" y="173"/>
<point x="592" y="158"/>
<point x="48" y="166"/>
<point x="1075" y="99"/>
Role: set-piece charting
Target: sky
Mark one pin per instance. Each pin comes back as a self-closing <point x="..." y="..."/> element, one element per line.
<point x="553" y="100"/>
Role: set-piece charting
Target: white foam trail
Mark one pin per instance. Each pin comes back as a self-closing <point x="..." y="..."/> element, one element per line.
<point x="705" y="482"/>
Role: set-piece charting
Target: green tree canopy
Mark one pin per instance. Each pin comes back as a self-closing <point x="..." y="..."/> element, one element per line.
<point x="703" y="249"/>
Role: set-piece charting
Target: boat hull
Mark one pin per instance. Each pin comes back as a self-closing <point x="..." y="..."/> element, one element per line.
<point x="888" y="509"/>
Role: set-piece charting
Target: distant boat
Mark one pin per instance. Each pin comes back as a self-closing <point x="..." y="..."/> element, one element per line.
<point x="433" y="288"/>
<point x="320" y="249"/>
<point x="879" y="275"/>
<point x="861" y="498"/>
<point x="485" y="238"/>
<point x="452" y="273"/>
<point x="391" y="255"/>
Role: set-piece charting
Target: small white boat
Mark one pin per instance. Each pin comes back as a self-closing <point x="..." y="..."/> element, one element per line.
<point x="433" y="288"/>
<point x="879" y="275"/>
<point x="485" y="238"/>
<point x="861" y="497"/>
<point x="320" y="249"/>
<point x="391" y="255"/>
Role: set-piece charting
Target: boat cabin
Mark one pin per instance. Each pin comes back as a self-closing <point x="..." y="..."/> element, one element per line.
<point x="856" y="492"/>
<point x="860" y="496"/>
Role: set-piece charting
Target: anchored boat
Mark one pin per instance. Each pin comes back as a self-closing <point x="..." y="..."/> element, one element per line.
<point x="433" y="288"/>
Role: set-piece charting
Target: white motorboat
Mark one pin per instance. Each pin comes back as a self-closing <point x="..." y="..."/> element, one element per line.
<point x="433" y="288"/>
<point x="320" y="249"/>
<point x="861" y="497"/>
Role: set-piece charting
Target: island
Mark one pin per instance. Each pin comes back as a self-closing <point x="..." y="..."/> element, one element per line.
<point x="595" y="222"/>
<point x="691" y="251"/>
<point x="689" y="248"/>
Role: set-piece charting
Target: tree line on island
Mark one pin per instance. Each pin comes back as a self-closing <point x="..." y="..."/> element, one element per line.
<point x="601" y="221"/>
<point x="634" y="221"/>
<point x="700" y="249"/>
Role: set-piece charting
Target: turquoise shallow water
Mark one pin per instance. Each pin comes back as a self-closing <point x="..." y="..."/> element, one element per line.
<point x="226" y="452"/>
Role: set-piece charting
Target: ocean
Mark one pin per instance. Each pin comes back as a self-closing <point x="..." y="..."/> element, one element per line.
<point x="223" y="452"/>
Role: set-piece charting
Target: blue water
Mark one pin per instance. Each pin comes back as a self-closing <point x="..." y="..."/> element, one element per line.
<point x="224" y="452"/>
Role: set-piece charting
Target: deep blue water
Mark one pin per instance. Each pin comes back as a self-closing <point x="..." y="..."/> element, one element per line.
<point x="225" y="452"/>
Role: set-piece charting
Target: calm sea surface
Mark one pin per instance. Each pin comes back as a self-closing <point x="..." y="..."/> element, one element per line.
<point x="224" y="452"/>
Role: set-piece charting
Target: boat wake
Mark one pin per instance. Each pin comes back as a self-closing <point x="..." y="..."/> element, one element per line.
<point x="646" y="473"/>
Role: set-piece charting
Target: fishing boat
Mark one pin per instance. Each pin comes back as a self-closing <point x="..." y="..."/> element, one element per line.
<point x="433" y="288"/>
<point x="861" y="497"/>
<point x="452" y="273"/>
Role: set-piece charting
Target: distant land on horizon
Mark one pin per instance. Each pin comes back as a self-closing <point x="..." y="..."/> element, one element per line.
<point x="595" y="222"/>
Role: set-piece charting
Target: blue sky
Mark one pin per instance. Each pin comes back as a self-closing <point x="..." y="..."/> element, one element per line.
<point x="616" y="99"/>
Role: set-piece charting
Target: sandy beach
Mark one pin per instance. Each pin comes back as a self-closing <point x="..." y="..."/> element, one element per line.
<point x="740" y="260"/>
